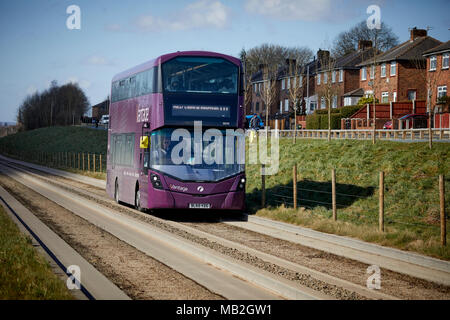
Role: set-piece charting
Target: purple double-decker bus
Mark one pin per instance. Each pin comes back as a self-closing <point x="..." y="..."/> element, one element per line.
<point x="167" y="117"/>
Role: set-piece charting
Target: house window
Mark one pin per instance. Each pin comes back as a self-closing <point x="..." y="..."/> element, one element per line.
<point x="281" y="106"/>
<point x="385" y="97"/>
<point x="364" y="73"/>
<point x="301" y="82"/>
<point x="383" y="70"/>
<point x="318" y="78"/>
<point x="412" y="95"/>
<point x="433" y="63"/>
<point x="341" y="75"/>
<point x="442" y="91"/>
<point x="294" y="82"/>
<point x="283" y="84"/>
<point x="289" y="83"/>
<point x="286" y="105"/>
<point x="333" y="76"/>
<point x="394" y="96"/>
<point x="393" y="68"/>
<point x="372" y="72"/>
<point x="325" y="77"/>
<point x="334" y="103"/>
<point x="445" y="58"/>
<point x="322" y="103"/>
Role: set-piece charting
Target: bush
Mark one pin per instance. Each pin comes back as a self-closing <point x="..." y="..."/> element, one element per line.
<point x="365" y="100"/>
<point x="319" y="120"/>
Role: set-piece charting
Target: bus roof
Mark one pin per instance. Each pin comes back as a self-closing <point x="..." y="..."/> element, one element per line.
<point x="161" y="59"/>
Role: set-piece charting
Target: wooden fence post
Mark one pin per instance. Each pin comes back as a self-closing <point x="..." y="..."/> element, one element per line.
<point x="333" y="193"/>
<point x="381" y="205"/>
<point x="294" y="184"/>
<point x="263" y="185"/>
<point x="442" y="210"/>
<point x="83" y="162"/>
<point x="101" y="163"/>
<point x="95" y="169"/>
<point x="89" y="162"/>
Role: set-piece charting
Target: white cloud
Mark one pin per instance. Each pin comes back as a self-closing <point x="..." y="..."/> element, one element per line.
<point x="306" y="10"/>
<point x="200" y="14"/>
<point x="96" y="60"/>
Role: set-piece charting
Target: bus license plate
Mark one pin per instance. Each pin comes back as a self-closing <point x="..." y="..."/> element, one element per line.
<point x="199" y="206"/>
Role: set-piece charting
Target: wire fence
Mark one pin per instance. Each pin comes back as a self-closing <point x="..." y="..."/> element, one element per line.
<point x="81" y="161"/>
<point x="331" y="197"/>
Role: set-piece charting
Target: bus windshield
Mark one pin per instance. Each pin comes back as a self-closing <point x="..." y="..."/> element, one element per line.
<point x="165" y="156"/>
<point x="200" y="75"/>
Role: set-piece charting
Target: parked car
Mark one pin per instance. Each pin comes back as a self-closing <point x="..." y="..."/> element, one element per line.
<point x="388" y="126"/>
<point x="414" y="121"/>
<point x="105" y="119"/>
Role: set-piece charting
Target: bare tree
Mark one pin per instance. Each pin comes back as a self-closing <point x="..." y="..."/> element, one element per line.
<point x="328" y="89"/>
<point x="347" y="41"/>
<point x="269" y="92"/>
<point x="296" y="91"/>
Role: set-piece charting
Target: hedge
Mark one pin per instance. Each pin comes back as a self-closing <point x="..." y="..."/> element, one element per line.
<point x="319" y="120"/>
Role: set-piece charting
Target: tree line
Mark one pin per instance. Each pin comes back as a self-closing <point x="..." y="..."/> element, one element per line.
<point x="56" y="106"/>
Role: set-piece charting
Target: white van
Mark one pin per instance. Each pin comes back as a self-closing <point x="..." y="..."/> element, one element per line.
<point x="105" y="119"/>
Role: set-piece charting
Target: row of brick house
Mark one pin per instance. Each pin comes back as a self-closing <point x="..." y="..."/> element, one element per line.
<point x="404" y="73"/>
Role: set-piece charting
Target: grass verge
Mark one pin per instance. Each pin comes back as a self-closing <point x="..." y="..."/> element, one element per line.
<point x="411" y="190"/>
<point x="24" y="274"/>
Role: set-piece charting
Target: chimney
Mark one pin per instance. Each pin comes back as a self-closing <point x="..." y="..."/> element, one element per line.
<point x="415" y="33"/>
<point x="364" y="44"/>
<point x="323" y="55"/>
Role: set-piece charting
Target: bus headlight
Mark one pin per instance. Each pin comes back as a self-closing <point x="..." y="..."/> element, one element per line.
<point x="156" y="181"/>
<point x="241" y="185"/>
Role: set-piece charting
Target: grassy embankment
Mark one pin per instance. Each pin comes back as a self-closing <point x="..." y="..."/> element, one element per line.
<point x="30" y="145"/>
<point x="24" y="274"/>
<point x="411" y="182"/>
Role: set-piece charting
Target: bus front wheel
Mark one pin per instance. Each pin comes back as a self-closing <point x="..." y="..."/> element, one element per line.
<point x="137" y="200"/>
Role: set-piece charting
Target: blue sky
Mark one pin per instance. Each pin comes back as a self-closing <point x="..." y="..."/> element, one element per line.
<point x="37" y="47"/>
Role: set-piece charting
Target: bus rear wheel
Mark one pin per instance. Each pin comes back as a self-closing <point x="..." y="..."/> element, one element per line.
<point x="137" y="200"/>
<point x="116" y="192"/>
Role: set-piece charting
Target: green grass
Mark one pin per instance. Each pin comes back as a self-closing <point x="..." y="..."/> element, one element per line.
<point x="411" y="182"/>
<point x="411" y="190"/>
<point x="24" y="274"/>
<point x="42" y="146"/>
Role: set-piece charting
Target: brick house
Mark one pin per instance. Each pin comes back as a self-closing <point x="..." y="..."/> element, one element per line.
<point x="100" y="109"/>
<point x="398" y="74"/>
<point x="438" y="81"/>
<point x="438" y="73"/>
<point x="341" y="76"/>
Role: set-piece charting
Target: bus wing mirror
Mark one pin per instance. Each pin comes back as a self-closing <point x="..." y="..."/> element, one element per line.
<point x="144" y="142"/>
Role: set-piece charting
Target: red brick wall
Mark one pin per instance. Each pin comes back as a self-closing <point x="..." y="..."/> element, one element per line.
<point x="411" y="78"/>
<point x="440" y="77"/>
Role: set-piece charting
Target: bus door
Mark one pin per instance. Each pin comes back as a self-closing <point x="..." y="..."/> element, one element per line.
<point x="144" y="157"/>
